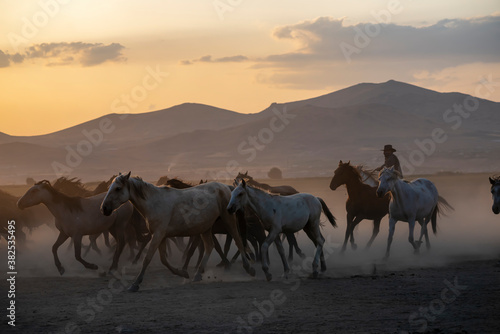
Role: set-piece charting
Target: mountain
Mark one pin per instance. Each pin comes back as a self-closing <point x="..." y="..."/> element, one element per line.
<point x="304" y="138"/>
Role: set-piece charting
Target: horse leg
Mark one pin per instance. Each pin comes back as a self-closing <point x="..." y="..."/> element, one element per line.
<point x="264" y="251"/>
<point x="416" y="245"/>
<point x="392" y="227"/>
<point x="290" y="247"/>
<point x="350" y="218"/>
<point x="105" y="234"/>
<point x="78" y="253"/>
<point x="144" y="242"/>
<point x="232" y="228"/>
<point x="93" y="244"/>
<point x="201" y="252"/>
<point x="423" y="232"/>
<point x="208" y="245"/>
<point x="162" y="249"/>
<point x="293" y="243"/>
<point x="192" y="245"/>
<point x="155" y="243"/>
<point x="354" y="223"/>
<point x="224" y="261"/>
<point x="227" y="245"/>
<point x="281" y="251"/>
<point x="60" y="240"/>
<point x="376" y="229"/>
<point x="120" y="239"/>
<point x="314" y="234"/>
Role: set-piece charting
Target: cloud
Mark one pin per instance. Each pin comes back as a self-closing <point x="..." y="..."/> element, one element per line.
<point x="59" y="54"/>
<point x="326" y="52"/>
<point x="459" y="40"/>
<point x="209" y="59"/>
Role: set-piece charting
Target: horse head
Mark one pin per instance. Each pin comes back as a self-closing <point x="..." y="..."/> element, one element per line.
<point x="238" y="197"/>
<point x="35" y="195"/>
<point x="386" y="178"/>
<point x="340" y="175"/>
<point x="495" y="193"/>
<point x="118" y="193"/>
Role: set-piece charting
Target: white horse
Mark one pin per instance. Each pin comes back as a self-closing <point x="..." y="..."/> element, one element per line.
<point x="172" y="212"/>
<point x="495" y="193"/>
<point x="284" y="214"/>
<point x="410" y="201"/>
<point x="76" y="217"/>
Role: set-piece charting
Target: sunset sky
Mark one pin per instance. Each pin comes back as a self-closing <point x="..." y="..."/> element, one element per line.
<point x="66" y="62"/>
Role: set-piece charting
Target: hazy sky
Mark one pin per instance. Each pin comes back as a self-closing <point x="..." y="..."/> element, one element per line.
<point x="63" y="62"/>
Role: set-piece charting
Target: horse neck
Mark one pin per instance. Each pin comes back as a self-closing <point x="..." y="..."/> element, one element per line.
<point x="144" y="204"/>
<point x="353" y="185"/>
<point x="397" y="189"/>
<point x="260" y="185"/>
<point x="56" y="208"/>
<point x="257" y="199"/>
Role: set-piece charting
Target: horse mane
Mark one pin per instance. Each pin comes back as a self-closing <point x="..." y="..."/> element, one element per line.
<point x="162" y="180"/>
<point x="140" y="186"/>
<point x="74" y="203"/>
<point x="71" y="187"/>
<point x="103" y="186"/>
<point x="178" y="183"/>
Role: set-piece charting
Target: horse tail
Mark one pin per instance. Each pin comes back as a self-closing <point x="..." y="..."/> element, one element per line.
<point x="441" y="204"/>
<point x="327" y="212"/>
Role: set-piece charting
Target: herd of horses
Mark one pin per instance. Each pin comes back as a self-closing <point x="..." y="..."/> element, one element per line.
<point x="139" y="214"/>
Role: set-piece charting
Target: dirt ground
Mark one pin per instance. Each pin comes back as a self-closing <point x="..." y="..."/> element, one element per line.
<point x="453" y="288"/>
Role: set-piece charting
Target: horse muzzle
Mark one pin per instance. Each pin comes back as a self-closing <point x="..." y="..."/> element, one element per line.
<point x="106" y="210"/>
<point x="231" y="208"/>
<point x="495" y="209"/>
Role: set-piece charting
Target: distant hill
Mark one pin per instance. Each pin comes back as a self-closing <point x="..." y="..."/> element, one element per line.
<point x="199" y="141"/>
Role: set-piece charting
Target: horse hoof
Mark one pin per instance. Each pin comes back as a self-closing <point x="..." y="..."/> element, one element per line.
<point x="133" y="288"/>
<point x="354" y="246"/>
<point x="92" y="266"/>
<point x="61" y="270"/>
<point x="251" y="271"/>
<point x="386" y="258"/>
<point x="221" y="264"/>
<point x="315" y="274"/>
<point x="269" y="277"/>
<point x="302" y="256"/>
<point x="184" y="273"/>
<point x="197" y="278"/>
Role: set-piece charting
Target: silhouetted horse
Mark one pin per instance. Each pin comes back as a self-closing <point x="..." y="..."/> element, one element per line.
<point x="362" y="202"/>
<point x="495" y="192"/>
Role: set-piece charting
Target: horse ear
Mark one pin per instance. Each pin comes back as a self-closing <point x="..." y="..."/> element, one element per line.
<point x="491" y="180"/>
<point x="246" y="173"/>
<point x="128" y="175"/>
<point x="349" y="162"/>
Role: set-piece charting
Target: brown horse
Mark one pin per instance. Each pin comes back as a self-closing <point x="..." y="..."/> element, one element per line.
<point x="362" y="202"/>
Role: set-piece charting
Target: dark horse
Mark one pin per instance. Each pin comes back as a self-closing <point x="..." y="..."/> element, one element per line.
<point x="362" y="202"/>
<point x="495" y="192"/>
<point x="276" y="190"/>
